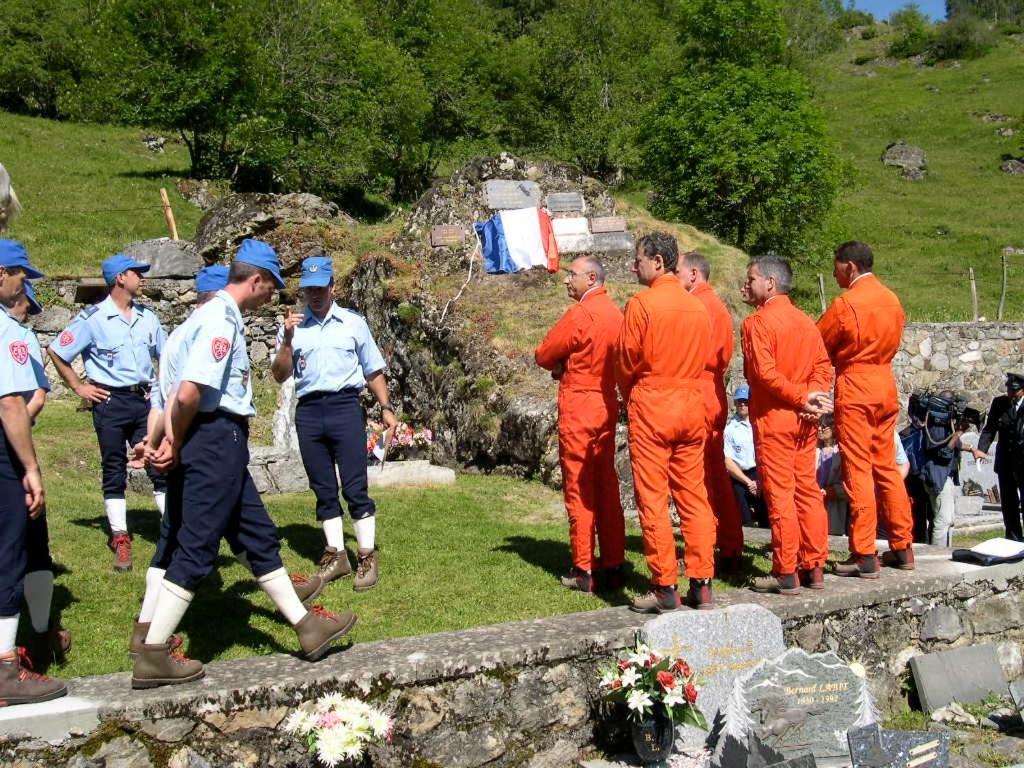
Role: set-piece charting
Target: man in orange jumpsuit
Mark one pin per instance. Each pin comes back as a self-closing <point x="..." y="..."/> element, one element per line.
<point x="862" y="332"/>
<point x="790" y="376"/>
<point x="694" y="272"/>
<point x="578" y="351"/>
<point x="660" y="356"/>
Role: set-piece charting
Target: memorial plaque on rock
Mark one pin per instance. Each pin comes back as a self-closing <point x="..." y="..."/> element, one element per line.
<point x="964" y="674"/>
<point x="720" y="646"/>
<point x="874" y="747"/>
<point x="565" y="202"/>
<point x="505" y="194"/>
<point x="446" y="234"/>
<point x="800" y="703"/>
<point x="601" y="224"/>
<point x="610" y="242"/>
<point x="574" y="225"/>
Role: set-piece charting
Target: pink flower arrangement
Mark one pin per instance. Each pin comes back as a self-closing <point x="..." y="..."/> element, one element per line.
<point x="644" y="679"/>
<point x="337" y="729"/>
<point x="404" y="437"/>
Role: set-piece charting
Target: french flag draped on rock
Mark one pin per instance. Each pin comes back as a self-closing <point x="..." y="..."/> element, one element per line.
<point x="518" y="239"/>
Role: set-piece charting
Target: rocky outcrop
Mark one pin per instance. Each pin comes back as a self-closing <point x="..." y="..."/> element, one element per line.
<point x="908" y="157"/>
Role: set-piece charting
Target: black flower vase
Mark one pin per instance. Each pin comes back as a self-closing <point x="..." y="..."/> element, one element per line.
<point x="653" y="736"/>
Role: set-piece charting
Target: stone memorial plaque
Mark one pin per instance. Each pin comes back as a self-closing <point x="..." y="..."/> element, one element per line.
<point x="576" y="225"/>
<point x="566" y="202"/>
<point x="965" y="674"/>
<point x="874" y="747"/>
<point x="607" y="224"/>
<point x="800" y="703"/>
<point x="720" y="646"/>
<point x="803" y="761"/>
<point x="504" y="194"/>
<point x="612" y="242"/>
<point x="579" y="243"/>
<point x="447" y="234"/>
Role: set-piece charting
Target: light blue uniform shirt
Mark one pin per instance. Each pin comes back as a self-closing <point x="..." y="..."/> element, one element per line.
<point x="739" y="442"/>
<point x="172" y="361"/>
<point x="35" y="355"/>
<point x="117" y="352"/>
<point x="17" y="373"/>
<point x="336" y="353"/>
<point x="216" y="357"/>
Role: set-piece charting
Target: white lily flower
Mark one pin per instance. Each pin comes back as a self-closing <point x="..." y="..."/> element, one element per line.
<point x="629" y="678"/>
<point x="638" y="700"/>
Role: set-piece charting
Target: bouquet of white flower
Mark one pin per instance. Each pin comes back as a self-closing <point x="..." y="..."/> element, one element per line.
<point x="644" y="679"/>
<point x="338" y="729"/>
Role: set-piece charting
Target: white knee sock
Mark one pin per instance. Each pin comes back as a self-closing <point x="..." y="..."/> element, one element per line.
<point x="117" y="514"/>
<point x="39" y="595"/>
<point x="161" y="501"/>
<point x="154" y="577"/>
<point x="334" y="532"/>
<point x="171" y="605"/>
<point x="366" y="532"/>
<point x="8" y="633"/>
<point x="279" y="589"/>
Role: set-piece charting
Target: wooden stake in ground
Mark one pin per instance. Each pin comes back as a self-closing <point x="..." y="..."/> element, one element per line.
<point x="821" y="292"/>
<point x="1002" y="293"/>
<point x="168" y="214"/>
<point x="974" y="294"/>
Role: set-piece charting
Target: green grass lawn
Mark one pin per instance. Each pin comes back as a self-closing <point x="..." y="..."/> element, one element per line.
<point x="483" y="551"/>
<point x="926" y="234"/>
<point x="88" y="190"/>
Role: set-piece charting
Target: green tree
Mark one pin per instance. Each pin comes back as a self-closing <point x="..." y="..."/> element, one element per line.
<point x="742" y="151"/>
<point x="914" y="35"/>
<point x="812" y="28"/>
<point x="744" y="32"/>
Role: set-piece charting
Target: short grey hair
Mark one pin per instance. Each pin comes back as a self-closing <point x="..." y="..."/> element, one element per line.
<point x="774" y="266"/>
<point x="591" y="264"/>
<point x="698" y="261"/>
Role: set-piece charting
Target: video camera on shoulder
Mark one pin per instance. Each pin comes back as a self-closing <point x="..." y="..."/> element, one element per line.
<point x="942" y="411"/>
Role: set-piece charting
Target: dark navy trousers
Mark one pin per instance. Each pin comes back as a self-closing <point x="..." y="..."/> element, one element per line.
<point x="332" y="432"/>
<point x="214" y="497"/>
<point x="119" y="419"/>
<point x="13" y="521"/>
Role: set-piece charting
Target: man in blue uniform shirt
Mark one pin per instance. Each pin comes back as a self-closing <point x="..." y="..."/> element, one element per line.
<point x="118" y="340"/>
<point x="332" y="355"/>
<point x="208" y="430"/>
<point x="21" y="485"/>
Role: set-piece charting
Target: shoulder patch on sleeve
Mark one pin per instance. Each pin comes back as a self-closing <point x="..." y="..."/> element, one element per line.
<point x="19" y="352"/>
<point x="67" y="338"/>
<point x="219" y="348"/>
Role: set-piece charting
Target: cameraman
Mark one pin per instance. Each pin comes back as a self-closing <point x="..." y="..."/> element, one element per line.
<point x="943" y="426"/>
<point x="1005" y="424"/>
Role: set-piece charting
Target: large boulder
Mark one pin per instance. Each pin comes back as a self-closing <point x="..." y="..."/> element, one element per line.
<point x="908" y="157"/>
<point x="167" y="258"/>
<point x="1013" y="166"/>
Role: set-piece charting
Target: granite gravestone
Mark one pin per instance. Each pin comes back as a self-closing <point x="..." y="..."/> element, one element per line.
<point x="874" y="747"/>
<point x="565" y="202"/>
<point x="505" y="194"/>
<point x="963" y="674"/>
<point x="719" y="646"/>
<point x="799" y="703"/>
<point x="609" y="242"/>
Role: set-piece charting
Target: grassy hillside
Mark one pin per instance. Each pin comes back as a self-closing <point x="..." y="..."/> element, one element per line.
<point x="927" y="233"/>
<point x="88" y="190"/>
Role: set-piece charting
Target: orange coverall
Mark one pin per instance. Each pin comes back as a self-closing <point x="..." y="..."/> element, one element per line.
<point x="784" y="359"/>
<point x="862" y="332"/>
<point x="716" y="411"/>
<point x="583" y="342"/>
<point x="661" y="353"/>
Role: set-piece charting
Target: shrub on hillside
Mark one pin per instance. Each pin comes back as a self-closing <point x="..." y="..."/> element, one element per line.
<point x="854" y="17"/>
<point x="914" y="36"/>
<point x="963" y="37"/>
<point x="1010" y="27"/>
<point x="869" y="33"/>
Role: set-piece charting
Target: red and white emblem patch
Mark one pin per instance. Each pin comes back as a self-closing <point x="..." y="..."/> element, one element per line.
<point x="220" y="347"/>
<point x="19" y="351"/>
<point x="66" y="338"/>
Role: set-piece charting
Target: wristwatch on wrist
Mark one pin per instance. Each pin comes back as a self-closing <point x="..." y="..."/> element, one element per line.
<point x="387" y="407"/>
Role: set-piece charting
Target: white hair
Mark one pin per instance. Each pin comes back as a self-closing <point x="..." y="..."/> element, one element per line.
<point x="9" y="205"/>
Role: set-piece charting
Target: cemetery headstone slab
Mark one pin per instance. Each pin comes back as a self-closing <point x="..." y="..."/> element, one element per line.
<point x="800" y="703"/>
<point x="874" y="747"/>
<point x="600" y="224"/>
<point x="611" y="242"/>
<point x="505" y="194"/>
<point x="575" y="225"/>
<point x="446" y="234"/>
<point x="565" y="202"/>
<point x="964" y="674"/>
<point x="720" y="646"/>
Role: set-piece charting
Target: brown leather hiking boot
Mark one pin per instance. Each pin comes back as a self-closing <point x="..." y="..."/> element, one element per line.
<point x="334" y="564"/>
<point x="579" y="580"/>
<point x="159" y="664"/>
<point x="658" y="600"/>
<point x="319" y="628"/>
<point x="139" y="632"/>
<point x="308" y="588"/>
<point x="20" y="685"/>
<point x="45" y="648"/>
<point x="812" y="578"/>
<point x="899" y="558"/>
<point x="781" y="584"/>
<point x="699" y="596"/>
<point x="121" y="545"/>
<point x="366" y="571"/>
<point x="862" y="566"/>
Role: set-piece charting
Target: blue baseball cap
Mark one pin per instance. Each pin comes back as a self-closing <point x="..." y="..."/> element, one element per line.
<point x="34" y="307"/>
<point x="259" y="254"/>
<point x="211" y="279"/>
<point x="742" y="393"/>
<point x="13" y="254"/>
<point x="119" y="263"/>
<point x="317" y="271"/>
